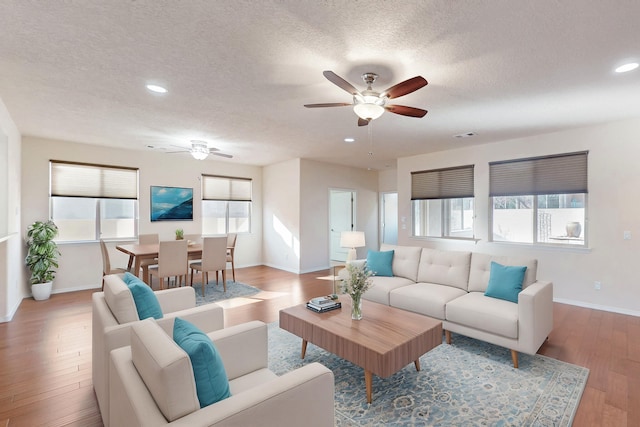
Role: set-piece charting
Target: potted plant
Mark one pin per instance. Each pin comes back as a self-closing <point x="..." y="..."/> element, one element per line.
<point x="179" y="234"/>
<point x="42" y="257"/>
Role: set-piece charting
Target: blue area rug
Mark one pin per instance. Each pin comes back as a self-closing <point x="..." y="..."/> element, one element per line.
<point x="213" y="292"/>
<point x="468" y="383"/>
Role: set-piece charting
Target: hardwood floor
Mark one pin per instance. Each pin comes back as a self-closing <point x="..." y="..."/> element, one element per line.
<point x="45" y="352"/>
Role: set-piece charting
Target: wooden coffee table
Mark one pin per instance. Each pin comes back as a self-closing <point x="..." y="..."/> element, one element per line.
<point x="382" y="343"/>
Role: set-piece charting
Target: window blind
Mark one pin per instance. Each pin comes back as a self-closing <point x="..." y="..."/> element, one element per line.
<point x="448" y="183"/>
<point x="89" y="180"/>
<point x="558" y="174"/>
<point x="226" y="188"/>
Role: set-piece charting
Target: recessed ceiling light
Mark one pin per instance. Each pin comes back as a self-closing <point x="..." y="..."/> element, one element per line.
<point x="157" y="89"/>
<point x="349" y="140"/>
<point x="627" y="67"/>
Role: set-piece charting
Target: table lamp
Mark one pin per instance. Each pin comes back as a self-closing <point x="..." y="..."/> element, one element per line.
<point x="352" y="240"/>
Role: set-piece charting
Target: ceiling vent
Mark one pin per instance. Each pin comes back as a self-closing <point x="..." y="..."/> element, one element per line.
<point x="464" y="135"/>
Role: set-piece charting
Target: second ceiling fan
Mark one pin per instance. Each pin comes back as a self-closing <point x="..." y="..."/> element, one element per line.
<point x="369" y="104"/>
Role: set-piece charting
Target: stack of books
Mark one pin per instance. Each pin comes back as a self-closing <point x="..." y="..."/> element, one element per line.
<point x="322" y="304"/>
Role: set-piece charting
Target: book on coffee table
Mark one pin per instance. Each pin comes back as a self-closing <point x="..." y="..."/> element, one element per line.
<point x="323" y="308"/>
<point x="324" y="300"/>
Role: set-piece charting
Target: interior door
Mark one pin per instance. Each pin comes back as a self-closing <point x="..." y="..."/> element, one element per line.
<point x="389" y="218"/>
<point x="341" y="218"/>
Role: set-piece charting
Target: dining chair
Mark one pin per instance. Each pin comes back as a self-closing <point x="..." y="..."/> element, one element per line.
<point x="172" y="261"/>
<point x="106" y="263"/>
<point x="194" y="239"/>
<point x="148" y="239"/>
<point x="231" y="249"/>
<point x="214" y="258"/>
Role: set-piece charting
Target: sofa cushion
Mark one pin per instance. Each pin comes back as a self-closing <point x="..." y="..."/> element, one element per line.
<point x="165" y="369"/>
<point x="488" y="314"/>
<point x="119" y="299"/>
<point x="381" y="286"/>
<point x="444" y="267"/>
<point x="146" y="302"/>
<point x="212" y="384"/>
<point x="379" y="263"/>
<point x="429" y="299"/>
<point x="505" y="282"/>
<point x="405" y="260"/>
<point x="481" y="269"/>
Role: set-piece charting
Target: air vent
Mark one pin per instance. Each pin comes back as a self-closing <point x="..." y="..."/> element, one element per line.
<point x="465" y="135"/>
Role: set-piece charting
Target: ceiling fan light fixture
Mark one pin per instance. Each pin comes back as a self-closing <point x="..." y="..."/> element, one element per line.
<point x="368" y="110"/>
<point x="199" y="150"/>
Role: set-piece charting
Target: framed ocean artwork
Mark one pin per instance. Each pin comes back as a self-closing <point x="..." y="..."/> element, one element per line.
<point x="171" y="203"/>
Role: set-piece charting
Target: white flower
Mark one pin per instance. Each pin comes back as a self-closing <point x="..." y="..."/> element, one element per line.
<point x="358" y="280"/>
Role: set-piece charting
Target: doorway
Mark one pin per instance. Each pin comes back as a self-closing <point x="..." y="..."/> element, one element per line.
<point x="341" y="218"/>
<point x="389" y="218"/>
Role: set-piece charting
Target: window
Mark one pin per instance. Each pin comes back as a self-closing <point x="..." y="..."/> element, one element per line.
<point x="540" y="200"/>
<point x="443" y="202"/>
<point x="226" y="205"/>
<point x="90" y="202"/>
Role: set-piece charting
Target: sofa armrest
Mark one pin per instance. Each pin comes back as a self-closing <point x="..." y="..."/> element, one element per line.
<point x="243" y="348"/>
<point x="207" y="318"/>
<point x="176" y="299"/>
<point x="303" y="397"/>
<point x="535" y="315"/>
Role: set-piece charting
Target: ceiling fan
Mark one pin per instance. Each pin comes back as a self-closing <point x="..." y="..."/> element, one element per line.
<point x="369" y="104"/>
<point x="200" y="150"/>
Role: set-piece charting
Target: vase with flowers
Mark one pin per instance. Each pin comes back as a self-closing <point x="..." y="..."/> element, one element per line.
<point x="355" y="284"/>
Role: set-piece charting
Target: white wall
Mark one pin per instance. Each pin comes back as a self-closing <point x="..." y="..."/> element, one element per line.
<point x="281" y="215"/>
<point x="613" y="207"/>
<point x="315" y="181"/>
<point x="12" y="250"/>
<point x="81" y="263"/>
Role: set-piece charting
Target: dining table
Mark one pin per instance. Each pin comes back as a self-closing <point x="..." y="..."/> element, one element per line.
<point x="137" y="253"/>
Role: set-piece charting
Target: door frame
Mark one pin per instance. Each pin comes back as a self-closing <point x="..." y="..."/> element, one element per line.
<point x="353" y="216"/>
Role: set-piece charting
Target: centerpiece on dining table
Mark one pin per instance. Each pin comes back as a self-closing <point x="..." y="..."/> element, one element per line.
<point x="357" y="282"/>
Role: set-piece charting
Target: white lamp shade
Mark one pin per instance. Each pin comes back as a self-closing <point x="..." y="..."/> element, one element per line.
<point x="352" y="240"/>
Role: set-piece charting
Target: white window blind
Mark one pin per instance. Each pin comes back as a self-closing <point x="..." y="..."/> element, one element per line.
<point x="226" y="188"/>
<point x="90" y="180"/>
<point x="448" y="183"/>
<point x="557" y="174"/>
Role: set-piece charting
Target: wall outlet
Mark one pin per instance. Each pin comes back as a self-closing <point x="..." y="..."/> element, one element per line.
<point x="597" y="285"/>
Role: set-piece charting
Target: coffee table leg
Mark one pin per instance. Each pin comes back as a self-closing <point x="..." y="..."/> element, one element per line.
<point x="417" y="363"/>
<point x="304" y="349"/>
<point x="368" y="381"/>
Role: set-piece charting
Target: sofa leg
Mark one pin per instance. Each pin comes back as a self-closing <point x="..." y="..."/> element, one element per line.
<point x="514" y="358"/>
<point x="447" y="336"/>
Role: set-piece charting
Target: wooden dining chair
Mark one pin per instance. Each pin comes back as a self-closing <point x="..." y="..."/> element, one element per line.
<point x="172" y="262"/>
<point x="106" y="263"/>
<point x="194" y="239"/>
<point x="214" y="258"/>
<point x="148" y="239"/>
<point x="231" y="249"/>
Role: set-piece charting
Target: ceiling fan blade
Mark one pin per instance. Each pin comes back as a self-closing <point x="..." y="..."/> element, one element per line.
<point x="215" y="153"/>
<point x="331" y="104"/>
<point x="363" y="122"/>
<point x="340" y="82"/>
<point x="405" y="87"/>
<point x="406" y="111"/>
<point x="175" y="152"/>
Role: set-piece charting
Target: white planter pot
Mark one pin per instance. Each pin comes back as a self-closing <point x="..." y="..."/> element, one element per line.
<point x="41" y="291"/>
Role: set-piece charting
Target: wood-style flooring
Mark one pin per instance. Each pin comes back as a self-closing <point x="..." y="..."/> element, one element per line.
<point x="45" y="352"/>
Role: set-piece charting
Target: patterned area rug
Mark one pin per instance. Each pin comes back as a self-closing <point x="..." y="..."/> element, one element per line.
<point x="468" y="383"/>
<point x="213" y="292"/>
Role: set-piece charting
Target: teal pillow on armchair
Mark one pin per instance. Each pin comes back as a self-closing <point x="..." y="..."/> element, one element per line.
<point x="146" y="301"/>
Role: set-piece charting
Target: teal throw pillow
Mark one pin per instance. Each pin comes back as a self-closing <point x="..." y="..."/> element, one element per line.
<point x="146" y="301"/>
<point x="380" y="263"/>
<point x="212" y="384"/>
<point x="505" y="282"/>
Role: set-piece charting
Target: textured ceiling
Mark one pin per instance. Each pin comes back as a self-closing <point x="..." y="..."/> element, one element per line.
<point x="239" y="72"/>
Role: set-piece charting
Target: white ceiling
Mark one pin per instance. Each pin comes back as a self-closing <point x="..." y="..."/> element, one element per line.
<point x="239" y="72"/>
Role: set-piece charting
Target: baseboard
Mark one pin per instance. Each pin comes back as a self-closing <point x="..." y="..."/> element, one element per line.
<point x="12" y="313"/>
<point x="598" y="307"/>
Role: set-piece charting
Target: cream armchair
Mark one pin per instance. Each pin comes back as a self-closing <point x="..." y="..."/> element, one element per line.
<point x="152" y="383"/>
<point x="114" y="312"/>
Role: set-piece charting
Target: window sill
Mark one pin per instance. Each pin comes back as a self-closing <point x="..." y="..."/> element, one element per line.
<point x="548" y="247"/>
<point x="448" y="239"/>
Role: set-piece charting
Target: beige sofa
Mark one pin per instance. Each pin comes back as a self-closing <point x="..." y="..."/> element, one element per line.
<point x="114" y="312"/>
<point x="450" y="286"/>
<point x="152" y="383"/>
